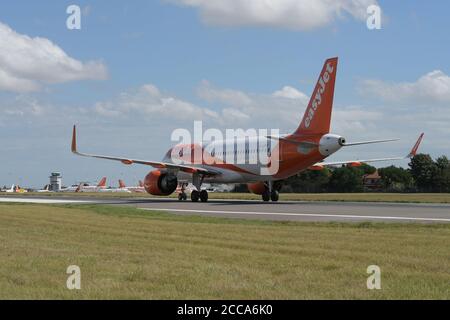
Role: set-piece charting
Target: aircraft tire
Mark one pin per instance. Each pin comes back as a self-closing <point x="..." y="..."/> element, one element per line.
<point x="274" y="196"/>
<point x="204" y="196"/>
<point x="195" y="196"/>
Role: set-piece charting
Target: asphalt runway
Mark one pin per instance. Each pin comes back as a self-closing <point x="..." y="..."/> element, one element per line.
<point x="281" y="211"/>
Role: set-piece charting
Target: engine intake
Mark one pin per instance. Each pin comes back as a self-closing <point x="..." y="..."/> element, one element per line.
<point x="159" y="183"/>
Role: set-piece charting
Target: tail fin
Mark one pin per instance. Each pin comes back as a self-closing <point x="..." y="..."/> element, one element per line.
<point x="141" y="184"/>
<point x="102" y="182"/>
<point x="122" y="184"/>
<point x="317" y="116"/>
<point x="416" y="147"/>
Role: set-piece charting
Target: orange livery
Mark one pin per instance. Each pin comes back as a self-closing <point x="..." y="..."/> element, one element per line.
<point x="287" y="154"/>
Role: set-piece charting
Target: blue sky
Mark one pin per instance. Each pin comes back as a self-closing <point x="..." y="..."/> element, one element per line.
<point x="148" y="67"/>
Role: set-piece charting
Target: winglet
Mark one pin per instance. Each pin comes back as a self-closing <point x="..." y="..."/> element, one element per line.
<point x="416" y="147"/>
<point x="74" y="139"/>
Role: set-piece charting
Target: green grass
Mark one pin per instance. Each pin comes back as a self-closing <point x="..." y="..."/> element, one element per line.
<point x="125" y="253"/>
<point x="355" y="197"/>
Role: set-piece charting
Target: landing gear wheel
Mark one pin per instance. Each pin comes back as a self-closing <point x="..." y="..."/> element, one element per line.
<point x="266" y="196"/>
<point x="274" y="196"/>
<point x="182" y="196"/>
<point x="195" y="196"/>
<point x="204" y="196"/>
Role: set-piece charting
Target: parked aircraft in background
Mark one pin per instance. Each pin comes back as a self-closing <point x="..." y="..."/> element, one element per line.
<point x="84" y="187"/>
<point x="45" y="189"/>
<point x="10" y="190"/>
<point x="14" y="189"/>
<point x="72" y="188"/>
<point x="138" y="189"/>
<point x="306" y="148"/>
<point x="121" y="188"/>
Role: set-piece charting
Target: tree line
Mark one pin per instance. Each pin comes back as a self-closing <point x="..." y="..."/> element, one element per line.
<point x="423" y="175"/>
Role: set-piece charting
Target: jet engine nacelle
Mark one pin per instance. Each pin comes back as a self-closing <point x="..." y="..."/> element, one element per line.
<point x="256" y="188"/>
<point x="159" y="183"/>
<point x="330" y="143"/>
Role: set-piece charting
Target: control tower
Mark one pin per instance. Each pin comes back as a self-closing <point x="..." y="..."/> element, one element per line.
<point x="55" y="182"/>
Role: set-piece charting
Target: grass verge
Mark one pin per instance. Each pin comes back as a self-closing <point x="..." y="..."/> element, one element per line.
<point x="125" y="253"/>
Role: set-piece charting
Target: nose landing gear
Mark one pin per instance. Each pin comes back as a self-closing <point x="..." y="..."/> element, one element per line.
<point x="182" y="196"/>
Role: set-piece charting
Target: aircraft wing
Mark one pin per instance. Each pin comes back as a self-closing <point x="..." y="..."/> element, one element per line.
<point x="359" y="162"/>
<point x="155" y="164"/>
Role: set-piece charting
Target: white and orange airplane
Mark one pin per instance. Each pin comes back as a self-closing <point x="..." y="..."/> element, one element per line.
<point x="306" y="148"/>
<point x="84" y="187"/>
<point x="138" y="189"/>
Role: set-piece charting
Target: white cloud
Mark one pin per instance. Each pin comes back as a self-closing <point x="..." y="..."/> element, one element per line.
<point x="26" y="63"/>
<point x="23" y="106"/>
<point x="265" y="110"/>
<point x="432" y="87"/>
<point x="226" y="108"/>
<point x="282" y="109"/>
<point x="147" y="102"/>
<point x="355" y="120"/>
<point x="289" y="14"/>
<point x="227" y="96"/>
<point x="290" y="93"/>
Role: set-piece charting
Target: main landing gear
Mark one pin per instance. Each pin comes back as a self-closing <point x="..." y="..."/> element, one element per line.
<point x="202" y="196"/>
<point x="271" y="192"/>
<point x="274" y="195"/>
<point x="196" y="195"/>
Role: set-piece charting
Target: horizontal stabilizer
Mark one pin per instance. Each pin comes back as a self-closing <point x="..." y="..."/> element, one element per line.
<point x="367" y="142"/>
<point x="356" y="163"/>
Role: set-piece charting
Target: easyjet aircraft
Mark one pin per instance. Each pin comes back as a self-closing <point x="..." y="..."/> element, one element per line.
<point x="138" y="189"/>
<point x="305" y="148"/>
<point x="88" y="188"/>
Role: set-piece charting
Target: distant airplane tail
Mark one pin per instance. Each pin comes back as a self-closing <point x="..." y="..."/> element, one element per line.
<point x="102" y="183"/>
<point x="141" y="184"/>
<point x="416" y="147"/>
<point x="122" y="184"/>
<point x="317" y="117"/>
